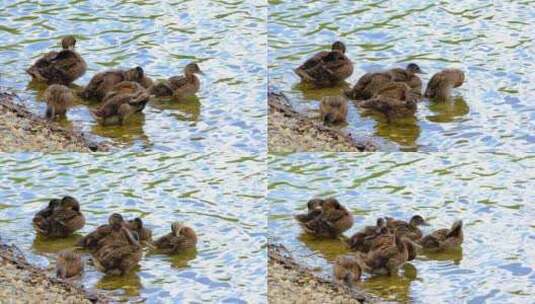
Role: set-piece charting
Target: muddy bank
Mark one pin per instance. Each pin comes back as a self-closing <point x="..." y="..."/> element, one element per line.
<point x="289" y="282"/>
<point x="21" y="130"/>
<point x="290" y="131"/>
<point x="21" y="282"/>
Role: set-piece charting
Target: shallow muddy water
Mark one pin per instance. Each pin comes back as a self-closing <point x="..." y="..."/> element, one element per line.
<point x="491" y="41"/>
<point x="226" y="38"/>
<point x="491" y="193"/>
<point x="221" y="197"/>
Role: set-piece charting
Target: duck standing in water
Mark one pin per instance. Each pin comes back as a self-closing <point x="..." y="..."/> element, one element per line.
<point x="314" y="209"/>
<point x="120" y="255"/>
<point x="62" y="67"/>
<point x="60" y="218"/>
<point x="333" y="220"/>
<point x="441" y="83"/>
<point x="333" y="109"/>
<point x="393" y="100"/>
<point x="180" y="238"/>
<point x="326" y="68"/>
<point x="104" y="82"/>
<point x="409" y="230"/>
<point x="364" y="239"/>
<point x="180" y="86"/>
<point x="103" y="234"/>
<point x="444" y="239"/>
<point x="145" y="234"/>
<point x="119" y="107"/>
<point x="69" y="265"/>
<point x="347" y="270"/>
<point x="58" y="99"/>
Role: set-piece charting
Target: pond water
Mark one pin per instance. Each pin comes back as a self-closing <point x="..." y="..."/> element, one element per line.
<point x="491" y="193"/>
<point x="227" y="38"/>
<point x="491" y="41"/>
<point x="218" y="195"/>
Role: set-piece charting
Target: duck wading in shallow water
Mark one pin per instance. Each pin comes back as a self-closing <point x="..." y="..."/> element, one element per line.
<point x="409" y="230"/>
<point x="326" y="68"/>
<point x="103" y="234"/>
<point x="180" y="86"/>
<point x="58" y="99"/>
<point x="180" y="238"/>
<point x="333" y="109"/>
<point x="332" y="221"/>
<point x="444" y="239"/>
<point x="61" y="67"/>
<point x="441" y="83"/>
<point x="60" y="218"/>
<point x="393" y="99"/>
<point x="104" y="82"/>
<point x="119" y="255"/>
<point x="117" y="108"/>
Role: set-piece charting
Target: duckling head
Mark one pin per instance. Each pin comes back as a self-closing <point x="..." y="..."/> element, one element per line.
<point x="413" y="68"/>
<point x="192" y="68"/>
<point x="68" y="42"/>
<point x="338" y="46"/>
<point x="188" y="233"/>
<point x="417" y="220"/>
<point x="69" y="202"/>
<point x="115" y="219"/>
<point x="315" y="204"/>
<point x="176" y="228"/>
<point x="331" y="204"/>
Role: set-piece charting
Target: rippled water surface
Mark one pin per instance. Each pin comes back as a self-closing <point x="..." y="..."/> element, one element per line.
<point x="492" y="42"/>
<point x="227" y="38"/>
<point x="221" y="197"/>
<point x="491" y="193"/>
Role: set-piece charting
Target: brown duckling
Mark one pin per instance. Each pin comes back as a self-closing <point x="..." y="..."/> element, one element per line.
<point x="369" y="85"/>
<point x="410" y="229"/>
<point x="94" y="240"/>
<point x="118" y="108"/>
<point x="180" y="86"/>
<point x="409" y="76"/>
<point x="58" y="99"/>
<point x="179" y="239"/>
<point x="346" y="269"/>
<point x="364" y="240"/>
<point x="104" y="82"/>
<point x="69" y="264"/>
<point x="392" y="108"/>
<point x="125" y="87"/>
<point x="444" y="239"/>
<point x="333" y="221"/>
<point x="326" y="68"/>
<point x="61" y="67"/>
<point x="60" y="218"/>
<point x="388" y="256"/>
<point x="314" y="208"/>
<point x="441" y="83"/>
<point x="333" y="109"/>
<point x="144" y="233"/>
<point x="119" y="256"/>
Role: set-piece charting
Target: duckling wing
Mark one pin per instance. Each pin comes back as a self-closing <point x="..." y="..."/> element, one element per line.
<point x="165" y="242"/>
<point x="177" y="82"/>
<point x="305" y="217"/>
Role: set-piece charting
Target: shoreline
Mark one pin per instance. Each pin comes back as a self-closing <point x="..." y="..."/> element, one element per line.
<point x="30" y="284"/>
<point x="289" y="282"/>
<point x="291" y="131"/>
<point x="23" y="131"/>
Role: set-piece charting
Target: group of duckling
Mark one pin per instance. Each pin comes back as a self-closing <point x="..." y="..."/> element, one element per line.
<point x="116" y="247"/>
<point x="381" y="249"/>
<point x="120" y="92"/>
<point x="394" y="92"/>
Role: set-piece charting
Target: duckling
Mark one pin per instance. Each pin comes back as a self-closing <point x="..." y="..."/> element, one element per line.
<point x="104" y="82"/>
<point x="125" y="87"/>
<point x="180" y="86"/>
<point x="59" y="218"/>
<point x="388" y="256"/>
<point x="444" y="239"/>
<point x="441" y="83"/>
<point x="326" y="69"/>
<point x="346" y="269"/>
<point x="94" y="240"/>
<point x="333" y="109"/>
<point x="181" y="238"/>
<point x="410" y="229"/>
<point x="118" y="108"/>
<point x="314" y="207"/>
<point x="368" y="85"/>
<point x="145" y="234"/>
<point x="392" y="108"/>
<point x="68" y="265"/>
<point x="364" y="239"/>
<point x="119" y="256"/>
<point x="333" y="221"/>
<point x="58" y="99"/>
<point x="62" y="67"/>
